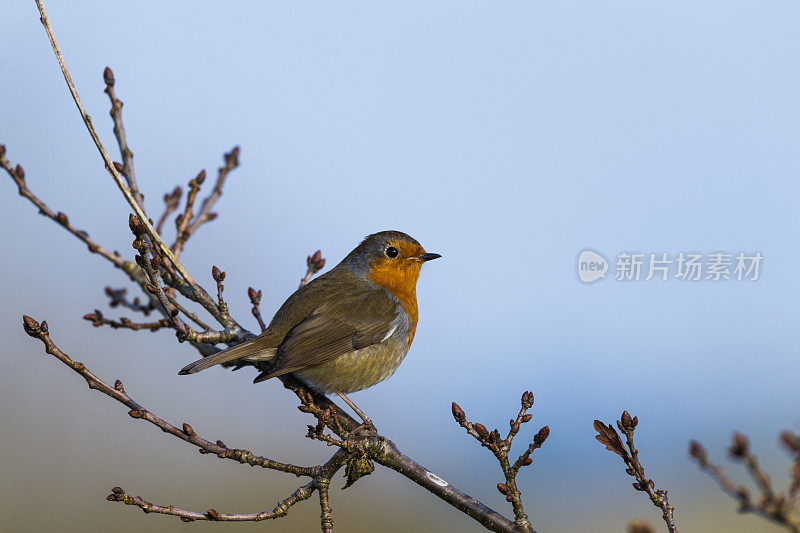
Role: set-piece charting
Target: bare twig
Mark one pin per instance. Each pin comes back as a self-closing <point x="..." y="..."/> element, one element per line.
<point x="780" y="508"/>
<point x="18" y="175"/>
<point x="171" y="202"/>
<point x="608" y="436"/>
<point x="219" y="277"/>
<point x="118" y="298"/>
<point x="500" y="447"/>
<point x="126" y="192"/>
<point x="97" y="319"/>
<point x="255" y="299"/>
<point x="186" y="433"/>
<point x="183" y="220"/>
<point x="212" y="515"/>
<point x="205" y="214"/>
<point x="119" y="131"/>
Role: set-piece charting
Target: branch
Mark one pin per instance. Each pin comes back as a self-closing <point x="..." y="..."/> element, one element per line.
<point x="186" y="433"/>
<point x="126" y="192"/>
<point x="118" y="298"/>
<point x="171" y="202"/>
<point x="255" y="299"/>
<point x="97" y="319"/>
<point x="609" y="437"/>
<point x="500" y="448"/>
<point x="205" y="214"/>
<point x="126" y="169"/>
<point x="780" y="508"/>
<point x="18" y="175"/>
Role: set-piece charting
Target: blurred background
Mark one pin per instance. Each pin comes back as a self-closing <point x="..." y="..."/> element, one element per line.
<point x="508" y="139"/>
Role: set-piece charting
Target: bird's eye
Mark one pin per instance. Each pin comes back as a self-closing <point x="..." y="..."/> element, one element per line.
<point x="392" y="251"/>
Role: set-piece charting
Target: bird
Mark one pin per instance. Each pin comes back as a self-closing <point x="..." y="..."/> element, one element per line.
<point x="347" y="329"/>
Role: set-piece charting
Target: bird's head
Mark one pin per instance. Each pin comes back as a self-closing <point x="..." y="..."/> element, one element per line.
<point x="390" y="259"/>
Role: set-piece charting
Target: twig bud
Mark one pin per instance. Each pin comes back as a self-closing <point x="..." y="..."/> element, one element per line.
<point x="135" y="413"/>
<point x="30" y="326"/>
<point x="151" y="288"/>
<point x="213" y="514"/>
<point x="542" y="435"/>
<point x="2" y="150"/>
<point x="481" y="429"/>
<point x="626" y="421"/>
<point x="527" y="399"/>
<point x="201" y="177"/>
<point x="62" y="218"/>
<point x="527" y="461"/>
<point x="458" y="413"/>
<point x="502" y="488"/>
<point x="697" y="451"/>
<point x="232" y="157"/>
<point x="19" y="172"/>
<point x="217" y="274"/>
<point x="791" y="441"/>
<point x="527" y="418"/>
<point x="137" y="228"/>
<point x="44" y="327"/>
<point x="221" y="444"/>
<point x="119" y="167"/>
<point x="740" y="445"/>
<point x="118" y="386"/>
<point x="118" y="490"/>
<point x="187" y="429"/>
<point x="108" y="76"/>
<point x="315" y="262"/>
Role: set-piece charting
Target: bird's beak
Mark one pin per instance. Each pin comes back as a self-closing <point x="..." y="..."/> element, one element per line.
<point x="428" y="257"/>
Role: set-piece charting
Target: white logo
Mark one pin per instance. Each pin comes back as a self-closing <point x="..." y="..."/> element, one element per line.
<point x="591" y="266"/>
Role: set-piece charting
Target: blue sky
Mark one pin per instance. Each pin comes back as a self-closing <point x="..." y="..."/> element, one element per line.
<point x="508" y="139"/>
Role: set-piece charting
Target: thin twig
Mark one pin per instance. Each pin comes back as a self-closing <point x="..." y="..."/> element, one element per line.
<point x="255" y="299"/>
<point x="97" y="319"/>
<point x="118" y="298"/>
<point x="212" y="515"/>
<point x="171" y="202"/>
<point x="205" y="214"/>
<point x="780" y="508"/>
<point x="18" y="175"/>
<point x="119" y="132"/>
<point x="500" y="447"/>
<point x="186" y="433"/>
<point x="126" y="192"/>
<point x="183" y="220"/>
<point x="608" y="436"/>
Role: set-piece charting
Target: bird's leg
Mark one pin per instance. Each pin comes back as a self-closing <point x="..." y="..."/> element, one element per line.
<point x="367" y="423"/>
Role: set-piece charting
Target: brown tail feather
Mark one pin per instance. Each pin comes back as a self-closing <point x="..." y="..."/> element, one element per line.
<point x="240" y="351"/>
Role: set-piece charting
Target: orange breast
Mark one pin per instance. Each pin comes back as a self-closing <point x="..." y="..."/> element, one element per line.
<point x="399" y="278"/>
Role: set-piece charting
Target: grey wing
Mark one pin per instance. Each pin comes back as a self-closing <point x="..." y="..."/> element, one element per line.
<point x="324" y="336"/>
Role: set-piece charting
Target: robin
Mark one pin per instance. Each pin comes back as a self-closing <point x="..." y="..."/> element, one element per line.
<point x="346" y="330"/>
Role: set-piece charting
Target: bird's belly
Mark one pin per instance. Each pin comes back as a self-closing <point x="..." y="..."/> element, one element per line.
<point x="358" y="369"/>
